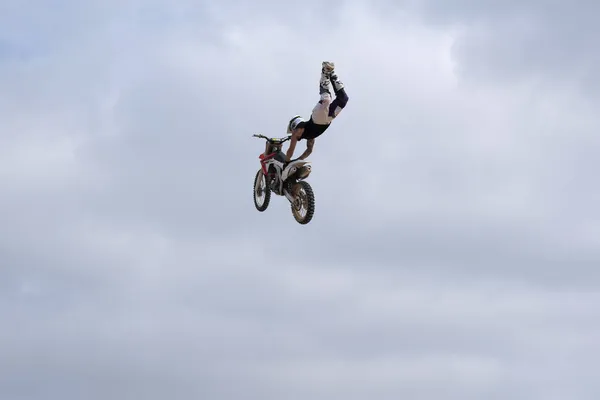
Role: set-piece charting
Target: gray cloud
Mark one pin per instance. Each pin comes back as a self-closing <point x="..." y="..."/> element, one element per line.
<point x="524" y="41"/>
<point x="453" y="250"/>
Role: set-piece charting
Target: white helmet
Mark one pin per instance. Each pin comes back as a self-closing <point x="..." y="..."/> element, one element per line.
<point x="294" y="123"/>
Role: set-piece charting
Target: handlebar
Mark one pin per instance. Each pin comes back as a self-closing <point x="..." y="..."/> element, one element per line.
<point x="273" y="140"/>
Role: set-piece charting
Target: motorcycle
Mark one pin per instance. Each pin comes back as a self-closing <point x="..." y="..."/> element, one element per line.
<point x="277" y="175"/>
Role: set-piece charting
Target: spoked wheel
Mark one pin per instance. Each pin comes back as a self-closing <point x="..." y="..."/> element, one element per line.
<point x="303" y="207"/>
<point x="262" y="192"/>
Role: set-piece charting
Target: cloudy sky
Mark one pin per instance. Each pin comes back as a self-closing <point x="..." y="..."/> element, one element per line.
<point x="455" y="247"/>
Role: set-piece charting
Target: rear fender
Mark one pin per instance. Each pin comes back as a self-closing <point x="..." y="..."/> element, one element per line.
<point x="293" y="167"/>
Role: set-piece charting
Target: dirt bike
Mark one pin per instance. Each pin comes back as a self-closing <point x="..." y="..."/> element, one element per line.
<point x="283" y="178"/>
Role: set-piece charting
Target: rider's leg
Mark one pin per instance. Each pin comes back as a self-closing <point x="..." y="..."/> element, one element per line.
<point x="320" y="113"/>
<point x="341" y="98"/>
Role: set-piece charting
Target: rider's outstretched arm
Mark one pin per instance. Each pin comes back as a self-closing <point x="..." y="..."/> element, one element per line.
<point x="292" y="147"/>
<point x="309" y="148"/>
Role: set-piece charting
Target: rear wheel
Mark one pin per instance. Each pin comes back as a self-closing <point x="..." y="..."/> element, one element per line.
<point x="303" y="207"/>
<point x="262" y="192"/>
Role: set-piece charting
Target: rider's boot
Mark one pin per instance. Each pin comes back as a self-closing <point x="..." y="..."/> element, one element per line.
<point x="327" y="67"/>
<point x="336" y="83"/>
<point x="324" y="86"/>
<point x="325" y="81"/>
<point x="328" y="73"/>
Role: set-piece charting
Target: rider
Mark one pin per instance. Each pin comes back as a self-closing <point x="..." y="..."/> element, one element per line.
<point x="322" y="114"/>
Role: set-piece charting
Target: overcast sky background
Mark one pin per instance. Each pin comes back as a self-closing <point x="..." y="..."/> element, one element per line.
<point x="455" y="248"/>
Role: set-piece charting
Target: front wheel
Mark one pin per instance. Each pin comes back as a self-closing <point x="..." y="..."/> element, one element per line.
<point x="303" y="207"/>
<point x="262" y="192"/>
